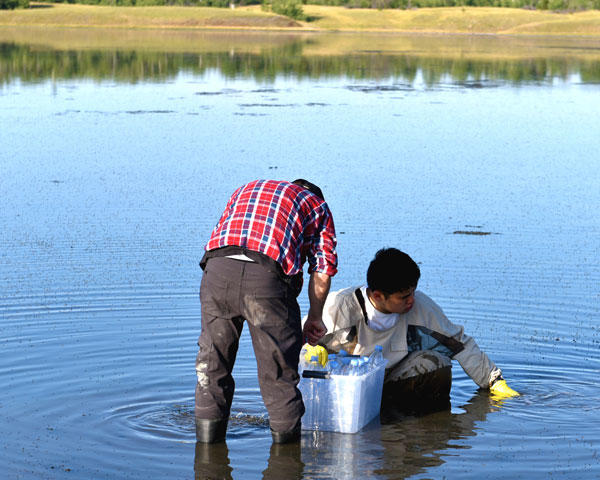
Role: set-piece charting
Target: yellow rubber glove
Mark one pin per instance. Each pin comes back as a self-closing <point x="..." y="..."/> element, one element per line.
<point x="316" y="351"/>
<point x="501" y="390"/>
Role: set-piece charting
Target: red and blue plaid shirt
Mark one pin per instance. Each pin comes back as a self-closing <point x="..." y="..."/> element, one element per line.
<point x="281" y="220"/>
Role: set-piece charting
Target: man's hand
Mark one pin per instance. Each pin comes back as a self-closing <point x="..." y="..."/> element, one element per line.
<point x="314" y="329"/>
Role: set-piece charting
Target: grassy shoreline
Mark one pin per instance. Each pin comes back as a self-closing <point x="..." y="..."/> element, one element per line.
<point x="447" y="20"/>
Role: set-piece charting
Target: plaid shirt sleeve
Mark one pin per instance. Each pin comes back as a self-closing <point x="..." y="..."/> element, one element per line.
<point x="281" y="220"/>
<point x="321" y="243"/>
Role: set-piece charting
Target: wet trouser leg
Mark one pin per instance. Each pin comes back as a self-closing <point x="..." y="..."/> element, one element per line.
<point x="273" y="316"/>
<point x="219" y="339"/>
<point x="421" y="381"/>
<point x="232" y="291"/>
<point x="277" y="340"/>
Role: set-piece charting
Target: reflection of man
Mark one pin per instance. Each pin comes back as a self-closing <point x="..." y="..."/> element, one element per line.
<point x="401" y="447"/>
<point x="415" y="444"/>
<point x="285" y="461"/>
<point x="252" y="264"/>
<point x="211" y="462"/>
<point x="417" y="339"/>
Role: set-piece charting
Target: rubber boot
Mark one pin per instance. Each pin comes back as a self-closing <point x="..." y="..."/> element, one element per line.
<point x="289" y="436"/>
<point x="210" y="431"/>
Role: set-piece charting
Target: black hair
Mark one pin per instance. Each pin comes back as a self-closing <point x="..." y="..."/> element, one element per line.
<point x="392" y="271"/>
<point x="311" y="187"/>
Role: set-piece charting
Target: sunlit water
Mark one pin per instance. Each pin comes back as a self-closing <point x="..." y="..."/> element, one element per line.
<point x="110" y="185"/>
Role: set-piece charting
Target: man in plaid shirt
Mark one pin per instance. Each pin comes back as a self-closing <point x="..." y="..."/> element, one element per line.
<point x="253" y="271"/>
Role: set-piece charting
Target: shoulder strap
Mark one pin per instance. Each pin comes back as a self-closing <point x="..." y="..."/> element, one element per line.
<point x="361" y="301"/>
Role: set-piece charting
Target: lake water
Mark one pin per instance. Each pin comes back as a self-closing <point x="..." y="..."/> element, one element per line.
<point x="118" y="152"/>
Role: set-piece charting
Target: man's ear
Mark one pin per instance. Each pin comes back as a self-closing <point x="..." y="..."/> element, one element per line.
<point x="377" y="296"/>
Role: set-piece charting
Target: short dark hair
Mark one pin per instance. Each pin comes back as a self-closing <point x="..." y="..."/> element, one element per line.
<point x="392" y="271"/>
<point x="311" y="187"/>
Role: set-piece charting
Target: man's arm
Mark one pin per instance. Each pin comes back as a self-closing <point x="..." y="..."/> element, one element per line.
<point x="472" y="359"/>
<point x="318" y="288"/>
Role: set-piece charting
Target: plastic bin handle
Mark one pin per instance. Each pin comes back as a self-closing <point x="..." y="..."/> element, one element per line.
<point x="315" y="374"/>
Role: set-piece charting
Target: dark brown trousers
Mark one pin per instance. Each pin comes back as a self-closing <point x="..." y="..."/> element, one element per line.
<point x="233" y="291"/>
<point x="421" y="382"/>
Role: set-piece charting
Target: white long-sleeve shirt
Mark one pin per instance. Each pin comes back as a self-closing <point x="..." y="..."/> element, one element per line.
<point x="423" y="327"/>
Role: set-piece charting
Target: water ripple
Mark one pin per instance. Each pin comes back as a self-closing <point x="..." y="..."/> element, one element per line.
<point x="176" y="421"/>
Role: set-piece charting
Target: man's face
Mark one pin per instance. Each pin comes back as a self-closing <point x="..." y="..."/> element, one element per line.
<point x="398" y="302"/>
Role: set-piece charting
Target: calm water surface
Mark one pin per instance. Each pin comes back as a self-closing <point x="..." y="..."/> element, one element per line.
<point x="116" y="162"/>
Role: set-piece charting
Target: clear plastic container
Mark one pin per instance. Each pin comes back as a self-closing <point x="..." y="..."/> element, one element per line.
<point x="342" y="403"/>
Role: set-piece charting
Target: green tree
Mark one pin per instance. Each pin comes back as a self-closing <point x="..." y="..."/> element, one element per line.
<point x="288" y="8"/>
<point x="11" y="4"/>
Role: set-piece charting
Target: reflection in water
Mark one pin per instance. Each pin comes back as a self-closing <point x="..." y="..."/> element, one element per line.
<point x="285" y="461"/>
<point x="471" y="64"/>
<point x="212" y="462"/>
<point x="398" y="448"/>
<point x="415" y="443"/>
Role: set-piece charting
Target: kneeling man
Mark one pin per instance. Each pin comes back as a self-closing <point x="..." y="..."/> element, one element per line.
<point x="418" y="340"/>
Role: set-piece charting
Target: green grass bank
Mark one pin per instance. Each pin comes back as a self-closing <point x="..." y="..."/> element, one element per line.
<point x="447" y="20"/>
